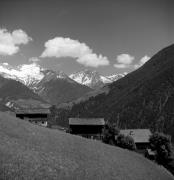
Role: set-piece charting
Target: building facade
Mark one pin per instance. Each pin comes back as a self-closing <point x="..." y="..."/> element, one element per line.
<point x="87" y="127"/>
<point x="140" y="137"/>
<point x="36" y="116"/>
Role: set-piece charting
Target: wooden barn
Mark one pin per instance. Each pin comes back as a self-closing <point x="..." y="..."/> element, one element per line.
<point x="87" y="127"/>
<point x="36" y="116"/>
<point x="140" y="136"/>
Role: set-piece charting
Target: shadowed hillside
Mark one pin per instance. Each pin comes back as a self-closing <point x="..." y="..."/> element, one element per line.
<point x="28" y="151"/>
<point x="14" y="95"/>
<point x="57" y="87"/>
<point x="142" y="99"/>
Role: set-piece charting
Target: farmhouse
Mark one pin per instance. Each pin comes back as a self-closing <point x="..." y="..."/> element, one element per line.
<point x="140" y="136"/>
<point x="37" y="116"/>
<point x="87" y="127"/>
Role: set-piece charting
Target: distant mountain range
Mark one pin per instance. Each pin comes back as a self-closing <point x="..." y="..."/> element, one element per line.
<point x="142" y="99"/>
<point x="31" y="75"/>
<point x="24" y="90"/>
<point x="55" y="87"/>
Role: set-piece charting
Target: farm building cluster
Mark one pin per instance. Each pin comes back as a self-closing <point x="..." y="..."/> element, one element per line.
<point x="86" y="127"/>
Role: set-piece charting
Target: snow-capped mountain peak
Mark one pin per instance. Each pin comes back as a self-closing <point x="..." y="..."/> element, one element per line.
<point x="29" y="74"/>
<point x="54" y="75"/>
<point x="32" y="74"/>
<point x="85" y="77"/>
<point x="115" y="77"/>
<point x="105" y="79"/>
<point x="26" y="73"/>
<point x="93" y="79"/>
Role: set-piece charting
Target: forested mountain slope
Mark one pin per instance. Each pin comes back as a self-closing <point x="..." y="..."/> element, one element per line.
<point x="142" y="99"/>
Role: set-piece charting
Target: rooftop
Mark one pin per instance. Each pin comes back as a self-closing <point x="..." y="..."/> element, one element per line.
<point x="139" y="135"/>
<point x="33" y="111"/>
<point x="86" y="121"/>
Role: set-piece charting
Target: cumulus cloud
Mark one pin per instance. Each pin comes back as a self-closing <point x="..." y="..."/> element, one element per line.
<point x="93" y="60"/>
<point x="120" y="66"/>
<point x="142" y="61"/>
<point x="10" y="41"/>
<point x="32" y="70"/>
<point x="124" y="61"/>
<point x="66" y="47"/>
<point x="125" y="73"/>
<point x="5" y="63"/>
<point x="34" y="59"/>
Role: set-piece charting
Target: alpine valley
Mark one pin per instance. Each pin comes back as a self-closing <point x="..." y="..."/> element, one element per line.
<point x="51" y="87"/>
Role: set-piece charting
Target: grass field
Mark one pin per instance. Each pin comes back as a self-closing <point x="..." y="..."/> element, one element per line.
<point x="28" y="151"/>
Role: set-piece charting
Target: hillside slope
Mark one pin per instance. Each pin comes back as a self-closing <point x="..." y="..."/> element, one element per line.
<point x="28" y="151"/>
<point x="14" y="95"/>
<point x="57" y="87"/>
<point x="142" y="99"/>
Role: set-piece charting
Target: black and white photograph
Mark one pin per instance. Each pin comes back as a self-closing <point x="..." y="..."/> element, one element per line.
<point x="86" y="90"/>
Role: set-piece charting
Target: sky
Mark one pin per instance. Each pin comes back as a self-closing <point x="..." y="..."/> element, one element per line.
<point x="109" y="36"/>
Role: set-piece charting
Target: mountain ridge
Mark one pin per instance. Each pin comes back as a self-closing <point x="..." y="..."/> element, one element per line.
<point x="93" y="79"/>
<point x="31" y="74"/>
<point x="14" y="94"/>
<point x="57" y="87"/>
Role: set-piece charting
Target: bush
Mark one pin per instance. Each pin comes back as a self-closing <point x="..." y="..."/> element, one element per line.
<point x="109" y="133"/>
<point x="51" y="118"/>
<point x="161" y="143"/>
<point x="126" y="142"/>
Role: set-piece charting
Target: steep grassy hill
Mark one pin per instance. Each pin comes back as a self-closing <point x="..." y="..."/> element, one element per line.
<point x="28" y="151"/>
<point x="142" y="99"/>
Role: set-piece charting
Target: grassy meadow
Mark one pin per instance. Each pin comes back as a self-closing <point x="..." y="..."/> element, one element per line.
<point x="29" y="151"/>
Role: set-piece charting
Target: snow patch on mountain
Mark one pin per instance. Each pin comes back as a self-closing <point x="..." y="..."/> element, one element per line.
<point x="93" y="79"/>
<point x="105" y="79"/>
<point x="28" y="74"/>
<point x="115" y="77"/>
<point x="9" y="104"/>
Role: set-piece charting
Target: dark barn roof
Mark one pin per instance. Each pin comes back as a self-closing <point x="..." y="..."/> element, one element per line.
<point x="33" y="111"/>
<point x="86" y="121"/>
<point x="139" y="135"/>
